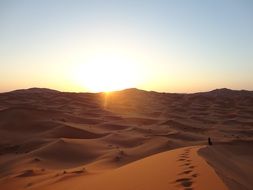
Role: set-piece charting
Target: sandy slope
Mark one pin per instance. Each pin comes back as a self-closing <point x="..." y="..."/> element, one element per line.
<point x="232" y="162"/>
<point x="53" y="137"/>
<point x="176" y="169"/>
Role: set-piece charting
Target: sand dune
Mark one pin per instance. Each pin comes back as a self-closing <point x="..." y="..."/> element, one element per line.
<point x="232" y="162"/>
<point x="56" y="140"/>
<point x="177" y="169"/>
<point x="73" y="133"/>
<point x="65" y="153"/>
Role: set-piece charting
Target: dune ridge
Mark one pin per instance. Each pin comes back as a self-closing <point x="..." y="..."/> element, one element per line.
<point x="47" y="133"/>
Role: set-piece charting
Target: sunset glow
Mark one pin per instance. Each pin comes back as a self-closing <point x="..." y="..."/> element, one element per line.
<point x="165" y="46"/>
<point x="106" y="73"/>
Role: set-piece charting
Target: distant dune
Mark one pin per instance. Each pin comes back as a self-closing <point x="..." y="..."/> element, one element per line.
<point x="129" y="139"/>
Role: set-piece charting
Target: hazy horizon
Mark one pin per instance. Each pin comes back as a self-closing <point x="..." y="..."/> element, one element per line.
<point x="125" y="89"/>
<point x="90" y="46"/>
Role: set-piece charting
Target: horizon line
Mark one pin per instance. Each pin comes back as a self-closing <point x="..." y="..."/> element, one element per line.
<point x="169" y="92"/>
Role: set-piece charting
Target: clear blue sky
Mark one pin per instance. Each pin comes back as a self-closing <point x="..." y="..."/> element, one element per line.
<point x="173" y="45"/>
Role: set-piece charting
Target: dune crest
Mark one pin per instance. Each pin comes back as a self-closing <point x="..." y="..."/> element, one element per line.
<point x="176" y="169"/>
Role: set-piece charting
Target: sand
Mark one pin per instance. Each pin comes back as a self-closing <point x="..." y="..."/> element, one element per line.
<point x="130" y="139"/>
<point x="176" y="169"/>
<point x="232" y="162"/>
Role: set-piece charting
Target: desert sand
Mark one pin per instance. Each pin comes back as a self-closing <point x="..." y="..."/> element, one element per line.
<point x="130" y="139"/>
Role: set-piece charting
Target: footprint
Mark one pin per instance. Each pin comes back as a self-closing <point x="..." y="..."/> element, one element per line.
<point x="181" y="179"/>
<point x="186" y="182"/>
<point x="184" y="156"/>
<point x="186" y="164"/>
<point x="194" y="175"/>
<point x="181" y="159"/>
<point x="29" y="184"/>
<point x="186" y="172"/>
<point x="191" y="167"/>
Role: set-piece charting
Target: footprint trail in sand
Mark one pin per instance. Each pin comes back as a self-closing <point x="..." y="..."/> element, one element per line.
<point x="186" y="176"/>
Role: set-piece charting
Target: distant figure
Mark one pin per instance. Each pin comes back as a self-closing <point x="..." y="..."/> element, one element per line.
<point x="209" y="141"/>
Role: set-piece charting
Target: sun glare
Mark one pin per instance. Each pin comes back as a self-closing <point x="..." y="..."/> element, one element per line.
<point x="104" y="73"/>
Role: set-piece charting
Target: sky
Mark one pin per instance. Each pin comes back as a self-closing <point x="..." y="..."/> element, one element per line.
<point x="160" y="45"/>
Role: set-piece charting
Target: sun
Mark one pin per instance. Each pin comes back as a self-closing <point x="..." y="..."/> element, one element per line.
<point x="105" y="73"/>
